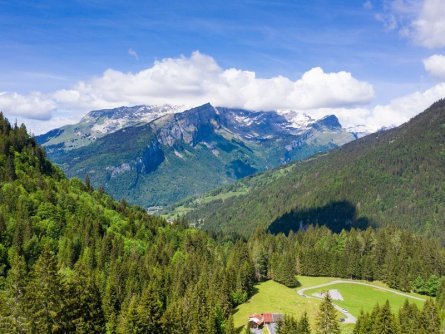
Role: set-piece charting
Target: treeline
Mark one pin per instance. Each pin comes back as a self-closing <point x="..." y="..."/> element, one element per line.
<point x="401" y="259"/>
<point x="409" y="320"/>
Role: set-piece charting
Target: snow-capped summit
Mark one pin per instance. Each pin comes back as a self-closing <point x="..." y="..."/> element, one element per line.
<point x="110" y="120"/>
<point x="297" y="120"/>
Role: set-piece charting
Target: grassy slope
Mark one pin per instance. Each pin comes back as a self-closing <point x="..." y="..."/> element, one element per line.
<point x="274" y="297"/>
<point x="359" y="297"/>
<point x="381" y="175"/>
<point x="277" y="298"/>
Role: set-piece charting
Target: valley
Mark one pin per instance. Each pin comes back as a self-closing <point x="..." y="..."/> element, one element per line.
<point x="222" y="167"/>
<point x="155" y="156"/>
<point x="390" y="178"/>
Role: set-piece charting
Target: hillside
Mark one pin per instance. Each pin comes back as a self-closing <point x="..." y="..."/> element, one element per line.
<point x="72" y="260"/>
<point x="155" y="156"/>
<point x="395" y="177"/>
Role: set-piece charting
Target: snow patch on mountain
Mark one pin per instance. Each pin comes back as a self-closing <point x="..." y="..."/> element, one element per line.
<point x="297" y="120"/>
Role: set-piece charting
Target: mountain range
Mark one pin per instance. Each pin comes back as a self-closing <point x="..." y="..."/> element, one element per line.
<point x="154" y="156"/>
<point x="390" y="178"/>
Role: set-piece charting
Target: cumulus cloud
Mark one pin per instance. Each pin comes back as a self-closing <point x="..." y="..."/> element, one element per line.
<point x="199" y="79"/>
<point x="396" y="112"/>
<point x="34" y="105"/>
<point x="420" y="20"/>
<point x="429" y="27"/>
<point x="192" y="81"/>
<point x="435" y="66"/>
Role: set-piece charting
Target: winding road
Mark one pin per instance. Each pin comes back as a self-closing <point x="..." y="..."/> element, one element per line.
<point x="349" y="318"/>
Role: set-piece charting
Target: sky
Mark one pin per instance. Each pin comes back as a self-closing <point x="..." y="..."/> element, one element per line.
<point x="375" y="63"/>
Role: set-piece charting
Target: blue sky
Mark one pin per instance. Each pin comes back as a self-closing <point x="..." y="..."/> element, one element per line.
<point x="53" y="45"/>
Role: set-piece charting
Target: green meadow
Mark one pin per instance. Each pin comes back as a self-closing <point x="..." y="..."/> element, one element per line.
<point x="277" y="298"/>
<point x="360" y="297"/>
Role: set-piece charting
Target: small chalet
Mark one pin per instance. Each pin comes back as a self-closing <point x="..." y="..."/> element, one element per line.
<point x="259" y="320"/>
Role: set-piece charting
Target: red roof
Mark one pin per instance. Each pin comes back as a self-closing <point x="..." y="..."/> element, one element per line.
<point x="267" y="318"/>
<point x="256" y="316"/>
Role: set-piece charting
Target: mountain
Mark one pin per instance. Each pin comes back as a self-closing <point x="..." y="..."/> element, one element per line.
<point x="154" y="156"/>
<point x="394" y="177"/>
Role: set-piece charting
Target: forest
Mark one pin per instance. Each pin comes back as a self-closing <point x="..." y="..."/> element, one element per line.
<point x="388" y="178"/>
<point x="73" y="260"/>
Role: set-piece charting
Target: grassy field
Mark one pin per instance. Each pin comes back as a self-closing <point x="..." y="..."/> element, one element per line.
<point x="359" y="297"/>
<point x="274" y="297"/>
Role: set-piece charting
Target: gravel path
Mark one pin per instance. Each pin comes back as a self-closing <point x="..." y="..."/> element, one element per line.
<point x="349" y="318"/>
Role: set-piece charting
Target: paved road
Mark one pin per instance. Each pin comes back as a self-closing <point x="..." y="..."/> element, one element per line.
<point x="272" y="328"/>
<point x="349" y="318"/>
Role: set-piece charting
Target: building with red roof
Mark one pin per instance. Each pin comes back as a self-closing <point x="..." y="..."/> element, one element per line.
<point x="259" y="320"/>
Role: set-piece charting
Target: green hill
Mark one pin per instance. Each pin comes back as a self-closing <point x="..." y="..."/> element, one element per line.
<point x="73" y="260"/>
<point x="394" y="177"/>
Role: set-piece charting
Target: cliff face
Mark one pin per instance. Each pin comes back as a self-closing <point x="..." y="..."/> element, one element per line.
<point x="155" y="156"/>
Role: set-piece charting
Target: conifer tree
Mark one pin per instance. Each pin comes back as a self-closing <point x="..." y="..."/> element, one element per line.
<point x="385" y="322"/>
<point x="373" y="318"/>
<point x="13" y="310"/>
<point x="429" y="318"/>
<point x="229" y="327"/>
<point x="408" y="318"/>
<point x="45" y="294"/>
<point x="327" y="317"/>
<point x="128" y="322"/>
<point x="91" y="318"/>
<point x="303" y="325"/>
<point x="150" y="310"/>
<point x="440" y="299"/>
<point x="361" y="326"/>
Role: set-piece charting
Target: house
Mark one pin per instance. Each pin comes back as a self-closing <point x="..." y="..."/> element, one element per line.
<point x="259" y="320"/>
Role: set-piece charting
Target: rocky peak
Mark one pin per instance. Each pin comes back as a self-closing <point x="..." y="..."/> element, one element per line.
<point x="330" y="122"/>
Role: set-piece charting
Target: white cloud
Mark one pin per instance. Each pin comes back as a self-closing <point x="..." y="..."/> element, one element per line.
<point x="429" y="27"/>
<point x="34" y="105"/>
<point x="420" y="20"/>
<point x="133" y="53"/>
<point x="192" y="81"/>
<point x="396" y="112"/>
<point x="435" y="66"/>
<point x="199" y="79"/>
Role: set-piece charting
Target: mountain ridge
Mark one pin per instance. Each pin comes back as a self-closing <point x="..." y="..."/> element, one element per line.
<point x="178" y="154"/>
<point x="381" y="175"/>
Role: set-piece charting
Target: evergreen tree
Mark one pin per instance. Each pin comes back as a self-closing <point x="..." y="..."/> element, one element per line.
<point x="429" y="318"/>
<point x="385" y="322"/>
<point x="13" y="310"/>
<point x="87" y="313"/>
<point x="288" y="326"/>
<point x="229" y="327"/>
<point x="362" y="324"/>
<point x="408" y="318"/>
<point x="45" y="295"/>
<point x="440" y="299"/>
<point x="128" y="323"/>
<point x="326" y="322"/>
<point x="303" y="325"/>
<point x="150" y="310"/>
